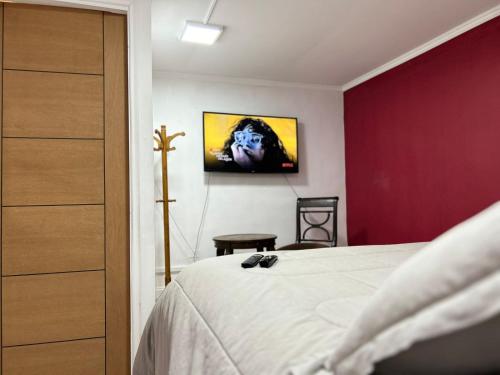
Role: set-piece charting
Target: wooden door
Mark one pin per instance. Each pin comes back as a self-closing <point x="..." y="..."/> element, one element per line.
<point x="64" y="192"/>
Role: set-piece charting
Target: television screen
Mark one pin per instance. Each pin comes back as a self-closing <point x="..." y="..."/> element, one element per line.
<point x="248" y="143"/>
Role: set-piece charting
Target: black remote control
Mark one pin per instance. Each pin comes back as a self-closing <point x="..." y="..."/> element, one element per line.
<point x="252" y="261"/>
<point x="268" y="261"/>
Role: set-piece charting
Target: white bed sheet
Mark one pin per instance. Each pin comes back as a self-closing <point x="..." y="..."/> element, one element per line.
<point x="217" y="318"/>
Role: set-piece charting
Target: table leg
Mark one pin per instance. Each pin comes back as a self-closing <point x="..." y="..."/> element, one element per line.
<point x="220" y="251"/>
<point x="270" y="247"/>
<point x="229" y="251"/>
<point x="260" y="249"/>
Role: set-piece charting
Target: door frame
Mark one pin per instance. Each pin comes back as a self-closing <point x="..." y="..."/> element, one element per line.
<point x="141" y="172"/>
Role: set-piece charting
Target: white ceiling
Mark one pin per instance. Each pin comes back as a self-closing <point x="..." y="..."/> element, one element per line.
<point x="329" y="42"/>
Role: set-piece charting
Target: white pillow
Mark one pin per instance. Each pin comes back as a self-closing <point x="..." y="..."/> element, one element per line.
<point x="451" y="284"/>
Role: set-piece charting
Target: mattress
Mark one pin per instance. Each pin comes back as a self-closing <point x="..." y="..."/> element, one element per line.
<point x="218" y="318"/>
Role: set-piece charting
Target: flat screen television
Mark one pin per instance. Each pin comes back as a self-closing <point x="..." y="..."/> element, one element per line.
<point x="249" y="143"/>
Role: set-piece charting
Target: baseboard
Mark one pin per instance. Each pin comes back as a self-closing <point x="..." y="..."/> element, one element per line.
<point x="174" y="271"/>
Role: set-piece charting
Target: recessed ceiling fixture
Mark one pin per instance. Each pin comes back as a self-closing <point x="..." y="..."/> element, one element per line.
<point x="198" y="32"/>
<point x="202" y="32"/>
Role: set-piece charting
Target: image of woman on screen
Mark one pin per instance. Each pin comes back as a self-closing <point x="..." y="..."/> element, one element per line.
<point x="254" y="146"/>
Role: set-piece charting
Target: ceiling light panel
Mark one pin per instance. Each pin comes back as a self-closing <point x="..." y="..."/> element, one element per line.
<point x="202" y="33"/>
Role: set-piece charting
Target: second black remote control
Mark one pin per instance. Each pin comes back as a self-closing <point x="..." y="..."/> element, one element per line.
<point x="268" y="261"/>
<point x="252" y="261"/>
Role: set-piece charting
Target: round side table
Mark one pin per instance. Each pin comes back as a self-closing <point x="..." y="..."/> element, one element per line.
<point x="226" y="244"/>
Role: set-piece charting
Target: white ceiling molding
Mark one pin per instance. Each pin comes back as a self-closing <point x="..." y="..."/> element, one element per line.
<point x="243" y="81"/>
<point x="450" y="34"/>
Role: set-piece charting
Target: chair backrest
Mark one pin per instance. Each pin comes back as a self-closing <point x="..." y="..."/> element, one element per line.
<point x="317" y="220"/>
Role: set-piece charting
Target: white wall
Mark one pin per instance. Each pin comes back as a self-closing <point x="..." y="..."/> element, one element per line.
<point x="240" y="203"/>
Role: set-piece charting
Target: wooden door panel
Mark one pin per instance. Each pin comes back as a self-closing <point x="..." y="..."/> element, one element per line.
<point x="65" y="284"/>
<point x="54" y="307"/>
<point x="52" y="39"/>
<point x="117" y="196"/>
<point x="82" y="357"/>
<point x="1" y="110"/>
<point x="52" y="105"/>
<point x="51" y="172"/>
<point x="52" y="239"/>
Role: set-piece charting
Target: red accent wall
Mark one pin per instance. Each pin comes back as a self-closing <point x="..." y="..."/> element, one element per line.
<point x="423" y="141"/>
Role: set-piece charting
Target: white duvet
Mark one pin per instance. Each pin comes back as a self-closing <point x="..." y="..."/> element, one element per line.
<point x="217" y="318"/>
<point x="313" y="312"/>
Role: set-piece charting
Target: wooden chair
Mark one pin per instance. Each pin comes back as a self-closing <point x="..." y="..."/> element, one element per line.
<point x="316" y="223"/>
<point x="302" y="246"/>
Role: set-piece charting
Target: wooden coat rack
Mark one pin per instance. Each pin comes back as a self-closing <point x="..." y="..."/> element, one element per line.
<point x="163" y="144"/>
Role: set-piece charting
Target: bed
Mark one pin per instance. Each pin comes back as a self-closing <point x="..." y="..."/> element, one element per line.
<point x="323" y="311"/>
